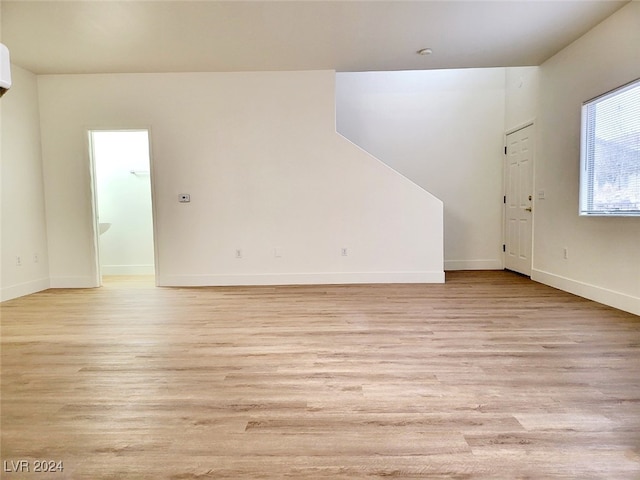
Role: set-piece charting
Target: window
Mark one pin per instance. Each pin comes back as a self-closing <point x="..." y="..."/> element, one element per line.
<point x="610" y="153"/>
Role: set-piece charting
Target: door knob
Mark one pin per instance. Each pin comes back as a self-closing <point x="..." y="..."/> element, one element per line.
<point x="528" y="209"/>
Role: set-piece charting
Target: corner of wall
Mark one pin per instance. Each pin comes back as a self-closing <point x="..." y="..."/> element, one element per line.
<point x="604" y="260"/>
<point x="24" y="253"/>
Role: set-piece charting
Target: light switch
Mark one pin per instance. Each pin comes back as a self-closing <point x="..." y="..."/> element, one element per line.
<point x="184" y="198"/>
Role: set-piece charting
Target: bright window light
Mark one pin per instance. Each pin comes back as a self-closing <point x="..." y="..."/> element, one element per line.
<point x="610" y="153"/>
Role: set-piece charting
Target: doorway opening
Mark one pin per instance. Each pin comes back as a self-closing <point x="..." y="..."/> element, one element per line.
<point x="123" y="204"/>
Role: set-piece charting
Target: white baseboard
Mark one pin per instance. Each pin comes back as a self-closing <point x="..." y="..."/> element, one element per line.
<point x="300" y="279"/>
<point x="611" y="298"/>
<point x="73" y="282"/>
<point x="490" y="264"/>
<point x="127" y="269"/>
<point x="22" y="289"/>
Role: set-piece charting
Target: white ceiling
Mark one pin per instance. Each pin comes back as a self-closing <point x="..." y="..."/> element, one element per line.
<point x="175" y="36"/>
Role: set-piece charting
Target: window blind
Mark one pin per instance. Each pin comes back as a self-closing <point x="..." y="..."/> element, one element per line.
<point x="610" y="153"/>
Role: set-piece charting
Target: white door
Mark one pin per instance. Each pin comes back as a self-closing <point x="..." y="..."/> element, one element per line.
<point x="519" y="200"/>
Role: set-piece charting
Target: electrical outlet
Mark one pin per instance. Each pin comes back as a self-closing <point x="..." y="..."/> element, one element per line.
<point x="238" y="253"/>
<point x="18" y="261"/>
<point x="344" y="252"/>
<point x="565" y="253"/>
<point x="277" y="252"/>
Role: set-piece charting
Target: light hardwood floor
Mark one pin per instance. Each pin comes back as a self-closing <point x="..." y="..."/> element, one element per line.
<point x="489" y="376"/>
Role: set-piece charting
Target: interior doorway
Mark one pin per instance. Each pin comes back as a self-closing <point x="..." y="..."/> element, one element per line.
<point x="123" y="203"/>
<point x="518" y="200"/>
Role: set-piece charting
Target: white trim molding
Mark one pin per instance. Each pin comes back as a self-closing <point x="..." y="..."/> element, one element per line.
<point x="611" y="298"/>
<point x="488" y="264"/>
<point x="73" y="282"/>
<point x="22" y="289"/>
<point x="300" y="279"/>
<point x="522" y="126"/>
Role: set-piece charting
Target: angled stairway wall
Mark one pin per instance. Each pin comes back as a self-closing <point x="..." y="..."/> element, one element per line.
<point x="444" y="130"/>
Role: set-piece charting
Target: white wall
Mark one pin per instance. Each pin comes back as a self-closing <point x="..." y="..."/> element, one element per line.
<point x="604" y="253"/>
<point x="444" y="130"/>
<point x="265" y="169"/>
<point x="124" y="202"/>
<point x="22" y="196"/>
<point x="521" y="96"/>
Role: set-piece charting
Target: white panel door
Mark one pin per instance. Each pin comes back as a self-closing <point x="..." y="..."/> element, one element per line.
<point x="519" y="200"/>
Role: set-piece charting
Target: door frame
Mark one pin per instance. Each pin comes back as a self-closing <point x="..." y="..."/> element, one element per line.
<point x="94" y="197"/>
<point x="522" y="126"/>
